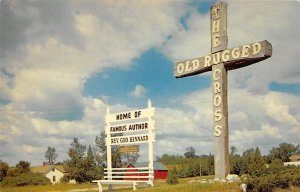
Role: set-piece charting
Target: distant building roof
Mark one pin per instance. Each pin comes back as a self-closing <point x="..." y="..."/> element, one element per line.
<point x="295" y="157"/>
<point x="45" y="169"/>
<point x="156" y="165"/>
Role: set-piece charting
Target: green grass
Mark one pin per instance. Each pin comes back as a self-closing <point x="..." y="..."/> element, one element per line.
<point x="183" y="185"/>
<point x="159" y="186"/>
<point x="291" y="189"/>
<point x="51" y="188"/>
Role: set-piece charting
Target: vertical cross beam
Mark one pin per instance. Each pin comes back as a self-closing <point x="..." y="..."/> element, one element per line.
<point x="219" y="80"/>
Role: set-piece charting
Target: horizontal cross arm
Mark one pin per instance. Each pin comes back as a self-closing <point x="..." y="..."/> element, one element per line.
<point x="264" y="53"/>
<point x="232" y="58"/>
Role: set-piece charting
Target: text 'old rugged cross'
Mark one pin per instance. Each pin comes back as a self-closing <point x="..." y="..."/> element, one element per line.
<point x="219" y="62"/>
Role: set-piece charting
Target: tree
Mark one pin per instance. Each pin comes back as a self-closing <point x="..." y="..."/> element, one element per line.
<point x="117" y="157"/>
<point x="116" y="160"/>
<point x="190" y="152"/>
<point x="283" y="152"/>
<point x="76" y="165"/>
<point x="77" y="150"/>
<point x="276" y="166"/>
<point x="92" y="170"/>
<point x="256" y="166"/>
<point x="232" y="150"/>
<point x="90" y="157"/>
<point x="129" y="157"/>
<point x="298" y="149"/>
<point x="3" y="170"/>
<point x="100" y="149"/>
<point x="248" y="152"/>
<point x="23" y="167"/>
<point x="50" y="155"/>
<point x="80" y="167"/>
<point x="172" y="177"/>
<point x="211" y="164"/>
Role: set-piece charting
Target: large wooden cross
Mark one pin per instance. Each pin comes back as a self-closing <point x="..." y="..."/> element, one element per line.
<point x="219" y="62"/>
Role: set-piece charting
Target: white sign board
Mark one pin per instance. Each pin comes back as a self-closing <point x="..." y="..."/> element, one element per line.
<point x="130" y="115"/>
<point x="130" y="127"/>
<point x="130" y="139"/>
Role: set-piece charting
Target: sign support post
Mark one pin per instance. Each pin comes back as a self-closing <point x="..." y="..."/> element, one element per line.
<point x="219" y="62"/>
<point x="108" y="151"/>
<point x="150" y="144"/>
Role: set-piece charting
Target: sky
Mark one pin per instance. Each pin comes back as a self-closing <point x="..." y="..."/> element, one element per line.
<point x="64" y="62"/>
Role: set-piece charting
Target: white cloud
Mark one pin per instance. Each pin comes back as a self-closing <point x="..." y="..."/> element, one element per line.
<point x="250" y="124"/>
<point x="48" y="58"/>
<point x="29" y="149"/>
<point x="23" y="134"/>
<point x="51" y="67"/>
<point x="138" y="92"/>
<point x="279" y="111"/>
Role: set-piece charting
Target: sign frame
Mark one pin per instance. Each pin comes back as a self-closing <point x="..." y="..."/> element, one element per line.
<point x="123" y="119"/>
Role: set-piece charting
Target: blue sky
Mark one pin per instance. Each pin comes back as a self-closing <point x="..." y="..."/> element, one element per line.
<point x="63" y="62"/>
<point x="153" y="71"/>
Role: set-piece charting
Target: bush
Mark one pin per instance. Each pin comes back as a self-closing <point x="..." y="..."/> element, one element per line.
<point x="13" y="172"/>
<point x="282" y="179"/>
<point x="296" y="180"/>
<point x="172" y="177"/>
<point x="65" y="179"/>
<point x="25" y="179"/>
<point x="3" y="170"/>
<point x="260" y="184"/>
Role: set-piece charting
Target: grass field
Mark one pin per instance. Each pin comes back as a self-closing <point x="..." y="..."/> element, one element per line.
<point x="159" y="186"/>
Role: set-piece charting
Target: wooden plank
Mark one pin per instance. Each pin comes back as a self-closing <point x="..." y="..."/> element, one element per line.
<point x="218" y="27"/>
<point x="128" y="172"/>
<point x="125" y="168"/>
<point x="257" y="52"/>
<point x="131" y="139"/>
<point x="130" y="115"/>
<point x="120" y="182"/>
<point x="129" y="149"/>
<point x="220" y="112"/>
<point x="129" y="127"/>
<point x="129" y="177"/>
<point x="232" y="58"/>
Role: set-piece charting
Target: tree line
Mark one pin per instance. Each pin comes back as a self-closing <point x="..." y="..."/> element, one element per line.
<point x="189" y="164"/>
<point x="87" y="163"/>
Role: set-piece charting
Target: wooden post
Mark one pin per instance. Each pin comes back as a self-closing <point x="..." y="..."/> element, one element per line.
<point x="219" y="80"/>
<point x="150" y="144"/>
<point x="220" y="111"/>
<point x="108" y="149"/>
